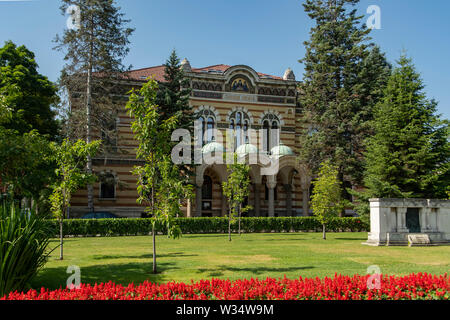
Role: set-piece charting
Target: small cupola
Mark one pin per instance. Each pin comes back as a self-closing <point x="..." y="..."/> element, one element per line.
<point x="186" y="66"/>
<point x="281" y="150"/>
<point x="289" y="75"/>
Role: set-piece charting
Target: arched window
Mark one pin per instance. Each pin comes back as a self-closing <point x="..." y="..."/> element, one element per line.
<point x="271" y="132"/>
<point x="240" y="123"/>
<point x="202" y="129"/>
<point x="108" y="186"/>
<point x="207" y="122"/>
<point x="266" y="138"/>
<point x="209" y="130"/>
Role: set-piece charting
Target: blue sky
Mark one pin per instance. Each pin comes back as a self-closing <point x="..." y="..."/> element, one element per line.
<point x="267" y="35"/>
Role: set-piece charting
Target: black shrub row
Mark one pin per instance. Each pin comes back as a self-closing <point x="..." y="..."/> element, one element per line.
<point x="142" y="226"/>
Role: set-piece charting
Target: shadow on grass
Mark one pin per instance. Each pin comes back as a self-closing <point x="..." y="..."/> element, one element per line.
<point x="143" y="256"/>
<point x="235" y="234"/>
<point x="54" y="278"/>
<point x="220" y="270"/>
<point x="277" y="239"/>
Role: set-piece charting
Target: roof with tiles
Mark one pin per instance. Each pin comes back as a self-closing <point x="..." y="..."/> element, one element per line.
<point x="158" y="72"/>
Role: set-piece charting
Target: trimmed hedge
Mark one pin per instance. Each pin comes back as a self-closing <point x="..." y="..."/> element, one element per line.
<point x="142" y="226"/>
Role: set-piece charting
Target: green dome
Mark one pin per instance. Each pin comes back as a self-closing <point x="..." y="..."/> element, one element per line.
<point x="245" y="149"/>
<point x="213" y="147"/>
<point x="281" y="150"/>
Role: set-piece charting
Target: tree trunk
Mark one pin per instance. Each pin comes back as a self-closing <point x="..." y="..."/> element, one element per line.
<point x="229" y="225"/>
<point x="239" y="222"/>
<point x="153" y="217"/>
<point x="90" y="188"/>
<point x="154" y="249"/>
<point x="60" y="239"/>
<point x="324" y="235"/>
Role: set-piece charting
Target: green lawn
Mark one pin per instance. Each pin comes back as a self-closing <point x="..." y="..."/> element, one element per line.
<point x="129" y="259"/>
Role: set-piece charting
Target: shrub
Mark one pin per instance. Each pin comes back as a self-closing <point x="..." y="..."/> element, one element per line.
<point x="24" y="237"/>
<point x="142" y="226"/>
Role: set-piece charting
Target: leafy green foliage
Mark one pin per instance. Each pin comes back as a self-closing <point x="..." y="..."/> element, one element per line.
<point x="326" y="200"/>
<point x="29" y="96"/>
<point x="26" y="165"/>
<point x="5" y="111"/>
<point x="24" y="237"/>
<point x="70" y="158"/>
<point x="408" y="156"/>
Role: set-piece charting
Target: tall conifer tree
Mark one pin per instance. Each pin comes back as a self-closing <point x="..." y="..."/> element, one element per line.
<point x="339" y="88"/>
<point x="173" y="95"/>
<point x="94" y="51"/>
<point x="409" y="154"/>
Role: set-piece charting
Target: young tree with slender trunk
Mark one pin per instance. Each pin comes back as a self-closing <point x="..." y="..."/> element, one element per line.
<point x="326" y="201"/>
<point x="160" y="185"/>
<point x="236" y="189"/>
<point x="71" y="173"/>
<point x="94" y="50"/>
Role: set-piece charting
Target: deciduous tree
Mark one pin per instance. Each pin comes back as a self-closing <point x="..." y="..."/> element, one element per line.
<point x="71" y="175"/>
<point x="161" y="185"/>
<point x="326" y="201"/>
<point x="29" y="96"/>
<point x="26" y="166"/>
<point x="236" y="189"/>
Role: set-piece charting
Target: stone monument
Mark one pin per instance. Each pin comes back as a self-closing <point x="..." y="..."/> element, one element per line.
<point x="402" y="222"/>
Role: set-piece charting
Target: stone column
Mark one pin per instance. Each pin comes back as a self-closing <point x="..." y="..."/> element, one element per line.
<point x="257" y="199"/>
<point x="271" y="184"/>
<point x="401" y="219"/>
<point x="424" y="218"/>
<point x="188" y="208"/>
<point x="198" y="201"/>
<point x="288" y="190"/>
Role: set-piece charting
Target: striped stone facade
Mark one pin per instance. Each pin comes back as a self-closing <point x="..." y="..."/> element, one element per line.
<point x="224" y="97"/>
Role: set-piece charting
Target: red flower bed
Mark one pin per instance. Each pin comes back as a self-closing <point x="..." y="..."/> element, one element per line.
<point x="414" y="286"/>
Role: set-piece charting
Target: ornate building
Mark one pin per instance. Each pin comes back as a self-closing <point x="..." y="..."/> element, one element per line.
<point x="260" y="112"/>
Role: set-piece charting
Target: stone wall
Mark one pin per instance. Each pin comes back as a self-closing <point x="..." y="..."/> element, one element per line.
<point x="409" y="222"/>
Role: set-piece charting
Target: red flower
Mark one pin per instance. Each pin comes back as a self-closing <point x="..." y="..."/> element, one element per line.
<point x="413" y="286"/>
